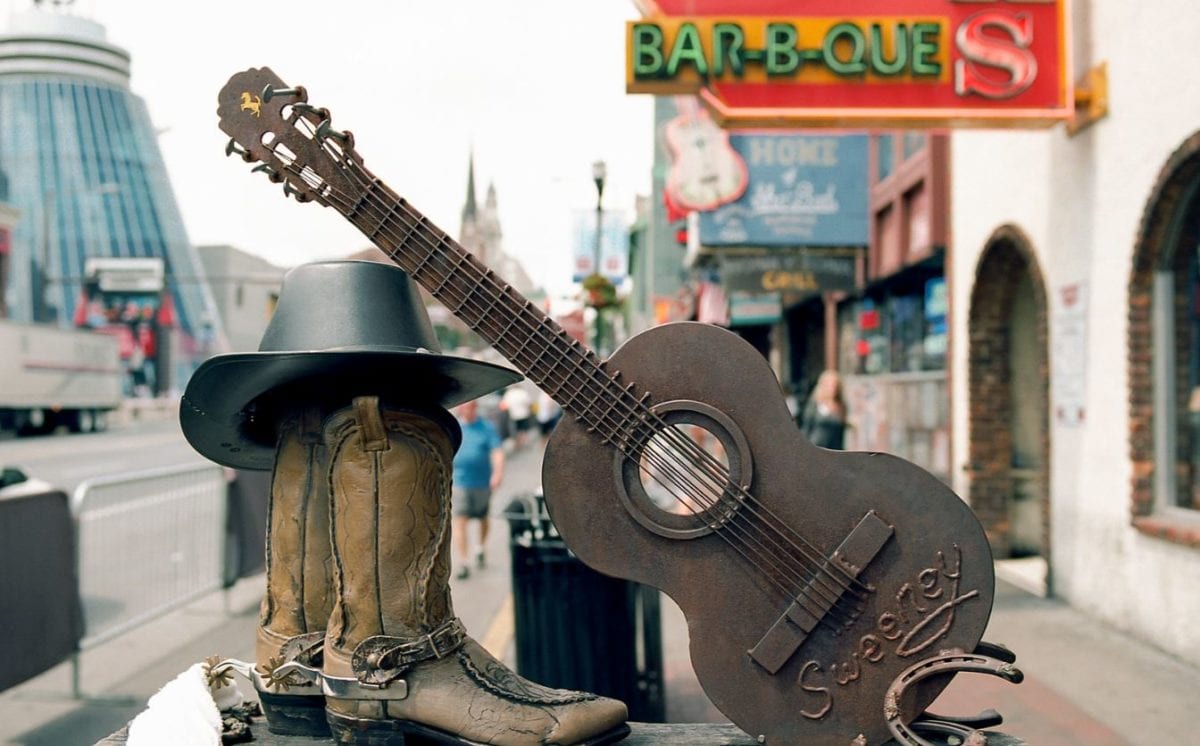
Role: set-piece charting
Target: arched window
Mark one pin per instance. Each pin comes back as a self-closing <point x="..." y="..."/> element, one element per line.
<point x="1164" y="354"/>
<point x="1176" y="359"/>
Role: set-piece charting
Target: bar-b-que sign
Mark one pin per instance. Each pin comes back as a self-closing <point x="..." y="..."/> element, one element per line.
<point x="857" y="62"/>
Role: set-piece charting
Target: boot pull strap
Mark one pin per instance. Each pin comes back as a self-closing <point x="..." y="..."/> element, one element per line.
<point x="370" y="423"/>
<point x="310" y="425"/>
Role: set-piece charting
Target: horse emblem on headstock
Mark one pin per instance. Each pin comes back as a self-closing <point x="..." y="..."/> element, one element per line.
<point x="252" y="104"/>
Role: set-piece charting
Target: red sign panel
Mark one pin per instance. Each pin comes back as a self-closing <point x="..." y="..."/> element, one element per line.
<point x="857" y="62"/>
<point x="5" y="241"/>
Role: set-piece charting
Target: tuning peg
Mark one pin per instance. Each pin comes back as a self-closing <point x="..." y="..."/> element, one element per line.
<point x="324" y="130"/>
<point x="271" y="173"/>
<point x="291" y="191"/>
<point x="270" y="92"/>
<point x="308" y="109"/>
<point x="232" y="147"/>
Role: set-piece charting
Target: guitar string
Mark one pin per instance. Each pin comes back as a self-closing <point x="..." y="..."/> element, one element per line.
<point x="823" y="563"/>
<point x="773" y="566"/>
<point x="813" y="583"/>
<point x="655" y="458"/>
<point x="729" y="514"/>
<point x="669" y="430"/>
<point x="465" y="301"/>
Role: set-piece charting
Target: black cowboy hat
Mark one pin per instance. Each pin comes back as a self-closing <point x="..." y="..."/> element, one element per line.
<point x="340" y="330"/>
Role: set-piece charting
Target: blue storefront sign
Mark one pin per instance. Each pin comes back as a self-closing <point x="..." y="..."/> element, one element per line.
<point x="804" y="190"/>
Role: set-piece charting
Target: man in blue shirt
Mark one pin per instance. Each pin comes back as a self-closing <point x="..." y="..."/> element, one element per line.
<point x="478" y="469"/>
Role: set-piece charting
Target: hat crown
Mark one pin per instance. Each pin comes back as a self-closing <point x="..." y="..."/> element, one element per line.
<point x="348" y="306"/>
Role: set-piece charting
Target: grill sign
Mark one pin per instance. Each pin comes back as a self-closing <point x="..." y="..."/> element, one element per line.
<point x="921" y="63"/>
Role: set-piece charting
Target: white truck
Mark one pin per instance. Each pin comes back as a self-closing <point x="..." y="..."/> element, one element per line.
<point x="51" y="376"/>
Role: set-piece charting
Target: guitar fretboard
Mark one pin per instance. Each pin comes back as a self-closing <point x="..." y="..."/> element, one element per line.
<point x="541" y="349"/>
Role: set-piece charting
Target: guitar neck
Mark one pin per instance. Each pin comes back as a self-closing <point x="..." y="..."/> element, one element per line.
<point x="537" y="346"/>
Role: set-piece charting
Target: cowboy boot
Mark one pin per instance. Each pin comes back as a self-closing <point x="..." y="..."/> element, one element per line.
<point x="299" y="594"/>
<point x="397" y="660"/>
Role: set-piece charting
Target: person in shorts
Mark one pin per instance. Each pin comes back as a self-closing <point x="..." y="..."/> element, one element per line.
<point x="478" y="470"/>
<point x="548" y="414"/>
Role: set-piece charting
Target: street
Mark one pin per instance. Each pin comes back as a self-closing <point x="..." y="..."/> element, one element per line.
<point x="1085" y="683"/>
<point x="65" y="460"/>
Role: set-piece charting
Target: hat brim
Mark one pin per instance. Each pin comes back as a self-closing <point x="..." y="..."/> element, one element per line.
<point x="214" y="409"/>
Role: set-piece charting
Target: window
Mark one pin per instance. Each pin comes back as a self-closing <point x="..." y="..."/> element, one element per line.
<point x="912" y="143"/>
<point x="1177" y="382"/>
<point x="887" y="156"/>
<point x="1164" y="355"/>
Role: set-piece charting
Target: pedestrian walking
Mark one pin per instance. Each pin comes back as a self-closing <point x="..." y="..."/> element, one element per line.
<point x="824" y="419"/>
<point x="478" y="471"/>
<point x="519" y="406"/>
<point x="548" y="413"/>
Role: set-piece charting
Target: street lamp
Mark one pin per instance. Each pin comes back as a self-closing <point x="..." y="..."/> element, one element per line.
<point x="599" y="172"/>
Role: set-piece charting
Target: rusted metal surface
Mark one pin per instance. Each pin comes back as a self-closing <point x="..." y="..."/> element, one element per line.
<point x="929" y="587"/>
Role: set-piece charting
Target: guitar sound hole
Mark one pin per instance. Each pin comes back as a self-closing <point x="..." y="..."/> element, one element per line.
<point x="682" y="469"/>
<point x="687" y="480"/>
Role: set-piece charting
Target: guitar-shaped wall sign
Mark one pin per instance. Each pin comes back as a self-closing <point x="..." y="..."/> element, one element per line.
<point x="706" y="172"/>
<point x="823" y="590"/>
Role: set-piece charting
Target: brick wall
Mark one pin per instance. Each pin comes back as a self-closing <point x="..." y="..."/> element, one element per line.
<point x="1007" y="258"/>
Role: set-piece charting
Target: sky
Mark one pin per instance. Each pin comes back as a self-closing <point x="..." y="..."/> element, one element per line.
<point x="535" y="88"/>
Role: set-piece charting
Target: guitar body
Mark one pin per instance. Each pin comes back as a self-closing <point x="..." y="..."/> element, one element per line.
<point x="928" y="589"/>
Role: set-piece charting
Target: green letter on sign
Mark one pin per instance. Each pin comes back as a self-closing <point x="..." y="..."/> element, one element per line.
<point x="858" y="42"/>
<point x="687" y="49"/>
<point x="728" y="39"/>
<point x="899" y="42"/>
<point x="647" y="50"/>
<point x="924" y="47"/>
<point x="782" y="57"/>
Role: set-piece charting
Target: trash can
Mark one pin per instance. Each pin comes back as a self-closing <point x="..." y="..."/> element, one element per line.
<point x="576" y="628"/>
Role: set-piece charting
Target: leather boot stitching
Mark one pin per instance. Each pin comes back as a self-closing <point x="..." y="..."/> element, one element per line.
<point x="505" y="684"/>
<point x="376" y="466"/>
<point x="338" y="565"/>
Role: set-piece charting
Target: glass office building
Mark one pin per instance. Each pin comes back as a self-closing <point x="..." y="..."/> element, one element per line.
<point x="85" y="170"/>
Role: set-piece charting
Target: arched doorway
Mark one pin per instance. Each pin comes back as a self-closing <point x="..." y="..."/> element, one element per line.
<point x="1008" y="378"/>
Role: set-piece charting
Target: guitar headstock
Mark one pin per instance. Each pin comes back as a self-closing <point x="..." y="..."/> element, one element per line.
<point x="293" y="142"/>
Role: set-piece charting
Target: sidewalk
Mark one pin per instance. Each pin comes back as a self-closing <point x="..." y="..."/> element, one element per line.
<point x="1084" y="684"/>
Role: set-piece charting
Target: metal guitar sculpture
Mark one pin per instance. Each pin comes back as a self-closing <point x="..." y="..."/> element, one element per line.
<point x="812" y="580"/>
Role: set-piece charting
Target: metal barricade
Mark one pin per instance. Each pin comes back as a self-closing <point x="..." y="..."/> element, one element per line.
<point x="148" y="542"/>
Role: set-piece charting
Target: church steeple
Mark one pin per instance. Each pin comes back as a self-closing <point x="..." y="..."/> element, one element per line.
<point x="469" y="208"/>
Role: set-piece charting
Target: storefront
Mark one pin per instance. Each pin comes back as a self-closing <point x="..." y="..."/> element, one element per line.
<point x="893" y="334"/>
<point x="791" y="244"/>
<point x="1074" y="348"/>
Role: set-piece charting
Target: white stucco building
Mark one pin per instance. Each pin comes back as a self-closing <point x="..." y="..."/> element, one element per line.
<point x="1075" y="348"/>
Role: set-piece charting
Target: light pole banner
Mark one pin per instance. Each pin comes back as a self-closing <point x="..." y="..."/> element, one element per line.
<point x="613" y="248"/>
